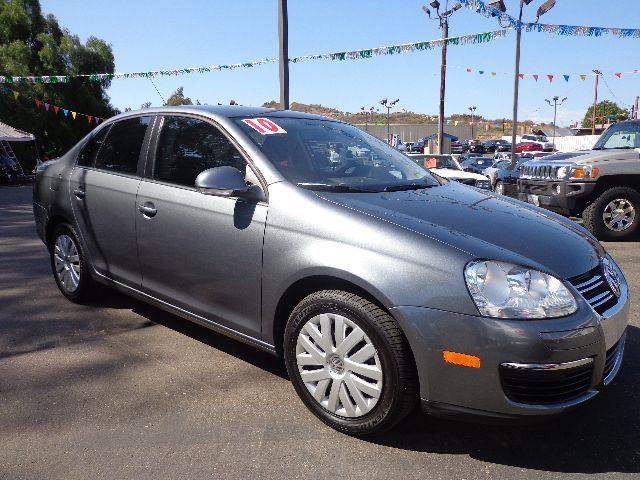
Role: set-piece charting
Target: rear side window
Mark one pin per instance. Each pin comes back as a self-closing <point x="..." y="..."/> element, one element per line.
<point x="188" y="146"/>
<point x="87" y="157"/>
<point x="120" y="151"/>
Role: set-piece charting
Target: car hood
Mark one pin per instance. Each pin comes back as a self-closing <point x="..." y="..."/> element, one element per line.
<point x="452" y="173"/>
<point x="484" y="225"/>
<point x="592" y="156"/>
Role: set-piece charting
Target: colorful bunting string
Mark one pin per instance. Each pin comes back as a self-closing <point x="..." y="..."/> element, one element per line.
<point x="55" y="108"/>
<point x="339" y="56"/>
<point x="573" y="30"/>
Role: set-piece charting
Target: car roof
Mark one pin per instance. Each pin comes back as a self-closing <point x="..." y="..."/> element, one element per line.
<point x="226" y="111"/>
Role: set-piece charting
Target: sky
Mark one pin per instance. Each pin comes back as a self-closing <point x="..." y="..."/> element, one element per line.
<point x="165" y="34"/>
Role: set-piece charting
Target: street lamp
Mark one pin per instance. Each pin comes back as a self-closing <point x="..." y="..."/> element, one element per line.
<point x="389" y="105"/>
<point x="500" y="6"/>
<point x="443" y="19"/>
<point x="472" y="109"/>
<point x="366" y="114"/>
<point x="555" y="113"/>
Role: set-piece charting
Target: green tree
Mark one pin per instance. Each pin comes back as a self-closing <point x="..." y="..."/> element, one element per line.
<point x="178" y="98"/>
<point x="604" y="109"/>
<point x="32" y="44"/>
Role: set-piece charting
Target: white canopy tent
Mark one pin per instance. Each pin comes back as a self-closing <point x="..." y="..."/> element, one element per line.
<point x="10" y="134"/>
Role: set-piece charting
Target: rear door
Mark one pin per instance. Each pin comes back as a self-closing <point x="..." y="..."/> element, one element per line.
<point x="104" y="185"/>
<point x="199" y="252"/>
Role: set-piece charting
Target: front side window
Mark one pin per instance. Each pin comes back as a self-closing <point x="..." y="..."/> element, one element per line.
<point x="329" y="155"/>
<point x="188" y="146"/>
<point x="120" y="151"/>
<point x="622" y="135"/>
<point x="87" y="157"/>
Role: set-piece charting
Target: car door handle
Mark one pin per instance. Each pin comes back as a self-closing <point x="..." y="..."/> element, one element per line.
<point x="79" y="193"/>
<point x="147" y="209"/>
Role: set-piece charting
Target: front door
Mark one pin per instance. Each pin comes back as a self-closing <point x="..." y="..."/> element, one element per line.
<point x="199" y="252"/>
<point x="104" y="184"/>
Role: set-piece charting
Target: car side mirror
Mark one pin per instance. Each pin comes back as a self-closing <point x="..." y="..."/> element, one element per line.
<point x="227" y="181"/>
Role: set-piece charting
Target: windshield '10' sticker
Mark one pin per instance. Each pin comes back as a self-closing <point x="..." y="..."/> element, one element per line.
<point x="264" y="126"/>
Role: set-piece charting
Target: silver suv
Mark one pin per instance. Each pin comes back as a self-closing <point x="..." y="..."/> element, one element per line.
<point x="382" y="285"/>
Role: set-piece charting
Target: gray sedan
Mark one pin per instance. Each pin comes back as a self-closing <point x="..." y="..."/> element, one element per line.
<point x="382" y="285"/>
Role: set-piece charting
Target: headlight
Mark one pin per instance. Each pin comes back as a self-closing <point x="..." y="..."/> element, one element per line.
<point x="504" y="290"/>
<point x="563" y="172"/>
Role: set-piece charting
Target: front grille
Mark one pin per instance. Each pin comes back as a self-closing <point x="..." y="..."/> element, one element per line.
<point x="594" y="288"/>
<point x="544" y="387"/>
<point x="540" y="172"/>
<point x="610" y="361"/>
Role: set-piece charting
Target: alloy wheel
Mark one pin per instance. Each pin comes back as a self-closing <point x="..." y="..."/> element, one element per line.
<point x="619" y="214"/>
<point x="339" y="365"/>
<point x="67" y="263"/>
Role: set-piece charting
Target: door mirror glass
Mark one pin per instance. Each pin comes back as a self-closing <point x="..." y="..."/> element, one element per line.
<point x="227" y="181"/>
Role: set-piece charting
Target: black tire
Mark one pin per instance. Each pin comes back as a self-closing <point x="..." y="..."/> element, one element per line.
<point x="593" y="220"/>
<point x="399" y="394"/>
<point x="87" y="287"/>
<point x="495" y="187"/>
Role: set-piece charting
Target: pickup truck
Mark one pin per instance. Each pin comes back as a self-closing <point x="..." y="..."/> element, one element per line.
<point x="601" y="185"/>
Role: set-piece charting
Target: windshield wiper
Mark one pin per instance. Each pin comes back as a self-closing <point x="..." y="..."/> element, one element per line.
<point x="407" y="186"/>
<point x="333" y="187"/>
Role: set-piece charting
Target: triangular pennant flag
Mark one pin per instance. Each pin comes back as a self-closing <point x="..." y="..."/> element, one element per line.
<point x="16" y="94"/>
<point x="468" y="70"/>
<point x="535" y="76"/>
<point x="46" y="107"/>
<point x="89" y="117"/>
<point x="619" y="74"/>
<point x="566" y="78"/>
<point x="493" y="74"/>
<point x="97" y="120"/>
<point x="583" y="77"/>
<point x="55" y="109"/>
<point x="66" y="112"/>
<point x="5" y="90"/>
<point x="73" y="114"/>
<point x="455" y="123"/>
<point x="521" y="75"/>
<point x="481" y="72"/>
<point x="550" y="77"/>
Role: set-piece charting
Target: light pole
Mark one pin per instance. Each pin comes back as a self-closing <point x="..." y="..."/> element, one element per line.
<point x="544" y="8"/>
<point x="555" y="114"/>
<point x="443" y="19"/>
<point x="366" y="114"/>
<point x="388" y="105"/>
<point x="595" y="103"/>
<point x="283" y="52"/>
<point x="472" y="109"/>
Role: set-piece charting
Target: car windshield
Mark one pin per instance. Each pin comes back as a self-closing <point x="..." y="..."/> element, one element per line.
<point x="622" y="135"/>
<point x="328" y="155"/>
<point x="444" y="162"/>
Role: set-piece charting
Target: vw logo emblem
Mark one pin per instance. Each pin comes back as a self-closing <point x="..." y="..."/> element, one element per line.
<point x="612" y="277"/>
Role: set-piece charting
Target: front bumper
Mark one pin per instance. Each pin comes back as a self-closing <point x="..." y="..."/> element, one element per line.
<point x="448" y="387"/>
<point x="557" y="195"/>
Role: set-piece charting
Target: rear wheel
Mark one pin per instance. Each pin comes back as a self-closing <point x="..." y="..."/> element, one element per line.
<point x="69" y="265"/>
<point x="615" y="214"/>
<point x="499" y="187"/>
<point x="350" y="363"/>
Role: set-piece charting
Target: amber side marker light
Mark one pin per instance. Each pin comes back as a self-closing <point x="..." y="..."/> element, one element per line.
<point x="461" y="359"/>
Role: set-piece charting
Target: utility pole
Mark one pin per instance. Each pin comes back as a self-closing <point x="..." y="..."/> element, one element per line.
<point x="555" y="114"/>
<point x="635" y="108"/>
<point x="595" y="103"/>
<point x="443" y="19"/>
<point x="283" y="36"/>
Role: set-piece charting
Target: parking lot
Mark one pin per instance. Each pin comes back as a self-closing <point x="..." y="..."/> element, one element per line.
<point x="121" y="389"/>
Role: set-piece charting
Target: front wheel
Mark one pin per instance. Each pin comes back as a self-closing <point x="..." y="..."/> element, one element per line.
<point x="614" y="215"/>
<point x="499" y="188"/>
<point x="350" y="363"/>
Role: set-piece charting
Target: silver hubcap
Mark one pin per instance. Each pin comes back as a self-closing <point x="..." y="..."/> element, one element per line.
<point x="499" y="188"/>
<point x="339" y="365"/>
<point x="619" y="215"/>
<point x="67" y="263"/>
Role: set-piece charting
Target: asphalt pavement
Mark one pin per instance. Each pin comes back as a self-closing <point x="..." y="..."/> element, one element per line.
<point x="119" y="389"/>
